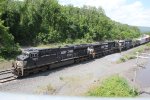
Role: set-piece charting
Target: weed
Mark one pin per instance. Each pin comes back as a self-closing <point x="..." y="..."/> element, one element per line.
<point x="132" y="54"/>
<point x="48" y="89"/>
<point x="1" y="59"/>
<point x="114" y="86"/>
<point x="61" y="78"/>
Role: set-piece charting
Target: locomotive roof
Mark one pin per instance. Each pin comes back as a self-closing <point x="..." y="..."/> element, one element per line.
<point x="36" y="50"/>
<point x="22" y="57"/>
<point x="78" y="45"/>
<point x="31" y="49"/>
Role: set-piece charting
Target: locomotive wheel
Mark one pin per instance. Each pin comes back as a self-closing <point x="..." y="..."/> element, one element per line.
<point x="25" y="74"/>
<point x="77" y="61"/>
<point x="44" y="69"/>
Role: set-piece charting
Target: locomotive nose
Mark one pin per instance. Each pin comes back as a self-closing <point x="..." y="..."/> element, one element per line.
<point x="14" y="65"/>
<point x="16" y="71"/>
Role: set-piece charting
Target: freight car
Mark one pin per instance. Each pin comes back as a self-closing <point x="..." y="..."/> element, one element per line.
<point x="35" y="60"/>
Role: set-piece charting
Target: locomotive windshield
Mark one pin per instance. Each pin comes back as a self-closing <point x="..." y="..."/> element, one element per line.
<point x="25" y="54"/>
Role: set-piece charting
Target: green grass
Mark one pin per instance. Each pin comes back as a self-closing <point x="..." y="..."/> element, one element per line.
<point x="132" y="54"/>
<point x="113" y="86"/>
<point x="126" y="58"/>
<point x="2" y="59"/>
<point x="61" y="78"/>
<point x="148" y="45"/>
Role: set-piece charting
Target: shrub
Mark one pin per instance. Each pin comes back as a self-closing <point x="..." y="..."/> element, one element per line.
<point x="8" y="48"/>
<point x="48" y="89"/>
<point x="114" y="86"/>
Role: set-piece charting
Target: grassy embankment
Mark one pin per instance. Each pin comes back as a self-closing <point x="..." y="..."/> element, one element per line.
<point x="132" y="54"/>
<point x="76" y="42"/>
<point x="113" y="86"/>
<point x="1" y="59"/>
<point x="5" y="63"/>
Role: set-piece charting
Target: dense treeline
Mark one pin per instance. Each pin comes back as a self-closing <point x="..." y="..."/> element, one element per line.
<point x="148" y="33"/>
<point x="8" y="48"/>
<point x="45" y="21"/>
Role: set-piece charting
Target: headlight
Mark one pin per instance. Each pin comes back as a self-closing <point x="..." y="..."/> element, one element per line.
<point x="19" y="63"/>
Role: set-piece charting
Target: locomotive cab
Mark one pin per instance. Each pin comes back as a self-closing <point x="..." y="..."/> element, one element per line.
<point x="22" y="61"/>
<point x="19" y="64"/>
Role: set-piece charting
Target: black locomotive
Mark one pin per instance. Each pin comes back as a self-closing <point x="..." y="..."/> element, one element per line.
<point x="35" y="60"/>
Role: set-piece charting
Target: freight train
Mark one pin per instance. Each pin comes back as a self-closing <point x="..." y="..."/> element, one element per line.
<point x="34" y="60"/>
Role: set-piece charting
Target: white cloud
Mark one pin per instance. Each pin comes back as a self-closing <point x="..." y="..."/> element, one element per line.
<point x="133" y="14"/>
<point x="118" y="10"/>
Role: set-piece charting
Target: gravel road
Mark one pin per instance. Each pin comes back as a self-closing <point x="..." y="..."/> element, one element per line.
<point x="74" y="80"/>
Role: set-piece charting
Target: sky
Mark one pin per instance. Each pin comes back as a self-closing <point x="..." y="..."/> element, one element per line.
<point x="132" y="12"/>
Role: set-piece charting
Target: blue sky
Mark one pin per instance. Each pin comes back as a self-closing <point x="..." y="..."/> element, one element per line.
<point x="132" y="12"/>
<point x="146" y="3"/>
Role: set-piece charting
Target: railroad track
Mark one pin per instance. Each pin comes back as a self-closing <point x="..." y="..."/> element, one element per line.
<point x="7" y="79"/>
<point x="6" y="76"/>
<point x="5" y="71"/>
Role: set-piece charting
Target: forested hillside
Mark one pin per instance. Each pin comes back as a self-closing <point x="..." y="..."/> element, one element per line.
<point x="32" y="22"/>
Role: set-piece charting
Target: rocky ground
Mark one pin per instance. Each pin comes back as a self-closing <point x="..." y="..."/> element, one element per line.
<point x="74" y="80"/>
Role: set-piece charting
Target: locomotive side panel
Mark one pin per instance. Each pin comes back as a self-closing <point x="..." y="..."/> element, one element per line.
<point x="128" y="44"/>
<point x="47" y="57"/>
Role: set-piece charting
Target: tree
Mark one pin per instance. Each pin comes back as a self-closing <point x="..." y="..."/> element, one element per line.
<point x="46" y="21"/>
<point x="7" y="45"/>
